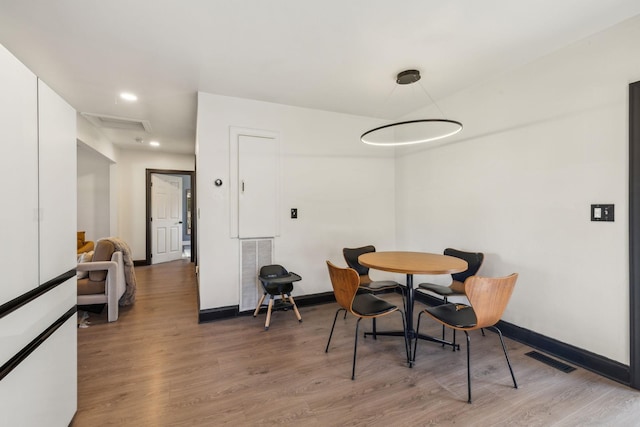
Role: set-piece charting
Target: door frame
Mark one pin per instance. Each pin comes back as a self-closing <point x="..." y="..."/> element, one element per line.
<point x="194" y="217"/>
<point x="634" y="234"/>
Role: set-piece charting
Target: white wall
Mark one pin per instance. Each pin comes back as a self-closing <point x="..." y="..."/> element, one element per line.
<point x="94" y="193"/>
<point x="540" y="145"/>
<point x="344" y="192"/>
<point x="131" y="179"/>
<point x="94" y="138"/>
<point x="93" y="141"/>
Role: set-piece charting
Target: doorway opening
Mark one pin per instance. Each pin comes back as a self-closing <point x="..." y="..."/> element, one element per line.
<point x="176" y="223"/>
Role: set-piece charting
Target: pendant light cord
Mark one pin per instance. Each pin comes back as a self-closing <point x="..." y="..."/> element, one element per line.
<point x="432" y="100"/>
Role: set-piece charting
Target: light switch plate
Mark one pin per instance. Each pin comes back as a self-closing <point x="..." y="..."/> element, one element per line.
<point x="602" y="213"/>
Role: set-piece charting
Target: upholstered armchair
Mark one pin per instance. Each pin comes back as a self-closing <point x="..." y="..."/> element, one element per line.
<point x="105" y="281"/>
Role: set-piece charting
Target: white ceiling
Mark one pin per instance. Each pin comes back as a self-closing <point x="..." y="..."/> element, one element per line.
<point x="336" y="55"/>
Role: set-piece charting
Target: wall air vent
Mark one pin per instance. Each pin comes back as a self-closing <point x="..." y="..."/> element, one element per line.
<point x="113" y="122"/>
<point x="254" y="254"/>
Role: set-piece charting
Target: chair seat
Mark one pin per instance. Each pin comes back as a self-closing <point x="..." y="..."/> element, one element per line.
<point x="456" y="315"/>
<point x="370" y="305"/>
<point x="440" y="289"/>
<point x="380" y="285"/>
<point x="89" y="287"/>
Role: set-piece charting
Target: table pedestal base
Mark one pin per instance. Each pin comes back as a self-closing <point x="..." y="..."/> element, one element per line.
<point x="412" y="335"/>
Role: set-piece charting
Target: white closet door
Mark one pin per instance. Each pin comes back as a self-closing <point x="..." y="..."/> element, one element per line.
<point x="40" y="391"/>
<point x="18" y="177"/>
<point x="38" y="169"/>
<point x="257" y="180"/>
<point x="58" y="184"/>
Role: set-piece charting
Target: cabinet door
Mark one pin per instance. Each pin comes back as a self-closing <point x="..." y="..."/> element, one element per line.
<point x="18" y="177"/>
<point x="42" y="389"/>
<point x="258" y="192"/>
<point x="38" y="190"/>
<point x="58" y="184"/>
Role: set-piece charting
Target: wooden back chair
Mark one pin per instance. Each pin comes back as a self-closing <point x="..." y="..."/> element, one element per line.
<point x="366" y="284"/>
<point x="456" y="288"/>
<point x="488" y="297"/>
<point x="345" y="282"/>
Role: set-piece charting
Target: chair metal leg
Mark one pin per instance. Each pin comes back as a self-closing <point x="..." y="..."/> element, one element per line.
<point x="407" y="346"/>
<point x="326" y="350"/>
<point x="504" y="349"/>
<point x="468" y="367"/>
<point x="355" y="348"/>
<point x="373" y="326"/>
<point x="444" y="299"/>
<point x="255" y="313"/>
<point x="415" y="346"/>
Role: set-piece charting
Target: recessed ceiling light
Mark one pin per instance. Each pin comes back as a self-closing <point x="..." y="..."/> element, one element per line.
<point x="154" y="143"/>
<point x="127" y="96"/>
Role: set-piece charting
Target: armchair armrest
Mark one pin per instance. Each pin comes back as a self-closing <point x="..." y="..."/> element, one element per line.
<point x="97" y="265"/>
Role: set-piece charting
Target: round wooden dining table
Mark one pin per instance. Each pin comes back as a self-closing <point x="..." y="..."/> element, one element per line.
<point x="411" y="263"/>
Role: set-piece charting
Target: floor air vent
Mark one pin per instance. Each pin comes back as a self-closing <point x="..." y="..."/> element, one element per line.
<point x="551" y="362"/>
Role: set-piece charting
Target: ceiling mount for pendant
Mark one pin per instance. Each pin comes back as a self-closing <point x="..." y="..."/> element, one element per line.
<point x="408" y="77"/>
<point x="411" y="131"/>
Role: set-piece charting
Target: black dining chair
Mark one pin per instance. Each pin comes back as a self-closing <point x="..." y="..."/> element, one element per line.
<point x="365" y="282"/>
<point x="456" y="288"/>
<point x="488" y="297"/>
<point x="345" y="283"/>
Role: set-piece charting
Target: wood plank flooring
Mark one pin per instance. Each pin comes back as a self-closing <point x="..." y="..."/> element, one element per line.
<point x="156" y="366"/>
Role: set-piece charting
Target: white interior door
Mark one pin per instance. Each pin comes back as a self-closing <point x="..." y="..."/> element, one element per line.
<point x="166" y="218"/>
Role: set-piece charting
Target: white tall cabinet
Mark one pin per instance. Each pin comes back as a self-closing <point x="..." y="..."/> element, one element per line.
<point x="38" y="345"/>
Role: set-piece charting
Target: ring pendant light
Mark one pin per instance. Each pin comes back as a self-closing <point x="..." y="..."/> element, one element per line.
<point x="411" y="131"/>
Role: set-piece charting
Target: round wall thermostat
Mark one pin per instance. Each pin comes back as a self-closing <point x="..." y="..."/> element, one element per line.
<point x="218" y="182"/>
